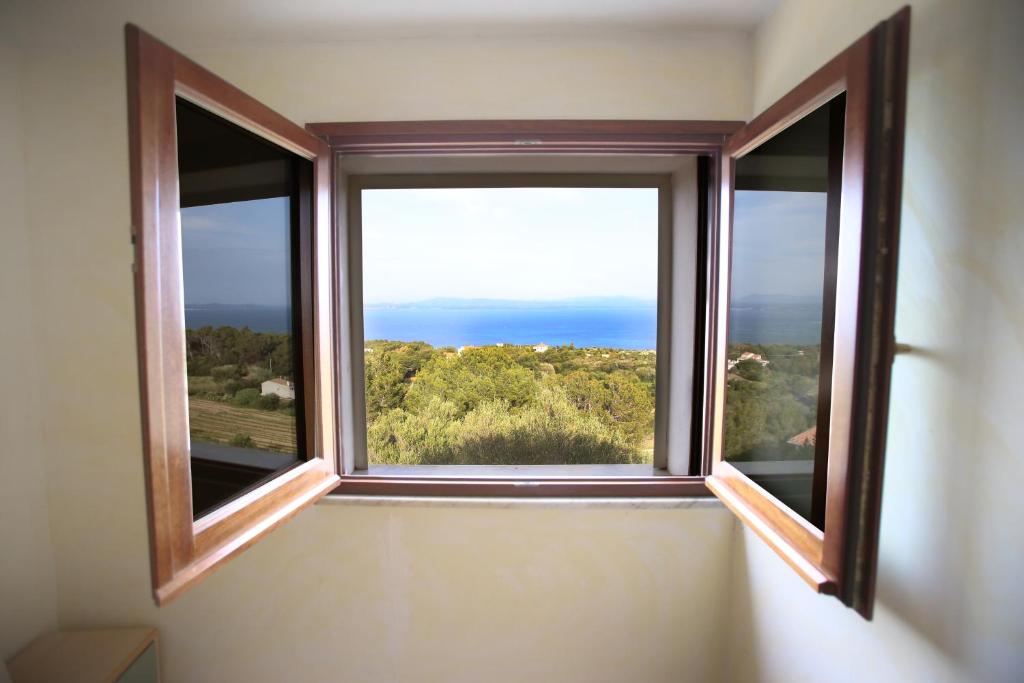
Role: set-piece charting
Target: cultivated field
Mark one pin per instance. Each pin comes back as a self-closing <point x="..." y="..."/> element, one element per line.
<point x="221" y="423"/>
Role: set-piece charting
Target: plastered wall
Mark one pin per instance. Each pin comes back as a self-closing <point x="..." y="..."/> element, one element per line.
<point x="950" y="605"/>
<point x="28" y="585"/>
<point x="348" y="593"/>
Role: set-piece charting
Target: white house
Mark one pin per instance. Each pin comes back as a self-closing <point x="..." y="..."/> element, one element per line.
<point x="278" y="386"/>
<point x="747" y="355"/>
<point x="541" y="348"/>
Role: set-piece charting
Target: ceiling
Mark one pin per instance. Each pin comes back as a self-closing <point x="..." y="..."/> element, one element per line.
<point x="209" y="22"/>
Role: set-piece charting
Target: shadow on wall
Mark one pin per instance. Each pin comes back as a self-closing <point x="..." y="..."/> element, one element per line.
<point x="949" y="566"/>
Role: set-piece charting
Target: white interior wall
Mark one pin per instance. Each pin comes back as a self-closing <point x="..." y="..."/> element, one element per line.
<point x="28" y="585"/>
<point x="452" y="593"/>
<point x="361" y="593"/>
<point x="950" y="606"/>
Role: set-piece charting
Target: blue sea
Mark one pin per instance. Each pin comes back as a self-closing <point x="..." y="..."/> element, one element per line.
<point x="621" y="327"/>
<point x="775" y="323"/>
<point x="256" y="318"/>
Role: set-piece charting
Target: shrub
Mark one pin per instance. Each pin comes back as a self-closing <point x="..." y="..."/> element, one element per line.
<point x="550" y="431"/>
<point x="201" y="385"/>
<point x="246" y="397"/>
<point x="243" y="440"/>
<point x="268" y="402"/>
<point x="225" y="372"/>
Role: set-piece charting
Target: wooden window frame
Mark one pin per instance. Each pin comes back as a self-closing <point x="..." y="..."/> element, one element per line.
<point x="703" y="139"/>
<point x="839" y="559"/>
<point x="183" y="550"/>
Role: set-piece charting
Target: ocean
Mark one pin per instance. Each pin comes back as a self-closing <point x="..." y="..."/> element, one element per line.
<point x="584" y="326"/>
<point x="619" y="328"/>
<point x="775" y="323"/>
<point x="256" y="318"/>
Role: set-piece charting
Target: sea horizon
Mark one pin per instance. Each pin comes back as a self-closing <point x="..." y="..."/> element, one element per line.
<point x="602" y="322"/>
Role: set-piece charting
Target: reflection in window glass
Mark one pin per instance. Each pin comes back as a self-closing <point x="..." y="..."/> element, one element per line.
<point x="510" y="326"/>
<point x="779" y="296"/>
<point x="238" y="242"/>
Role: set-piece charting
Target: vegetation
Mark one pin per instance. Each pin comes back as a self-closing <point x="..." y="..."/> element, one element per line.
<point x="226" y="367"/>
<point x="498" y="404"/>
<point x="220" y="422"/>
<point x="508" y="405"/>
<point x="767" y="405"/>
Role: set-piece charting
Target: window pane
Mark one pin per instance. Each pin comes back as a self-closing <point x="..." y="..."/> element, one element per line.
<point x="239" y="241"/>
<point x="510" y="326"/>
<point x="781" y="285"/>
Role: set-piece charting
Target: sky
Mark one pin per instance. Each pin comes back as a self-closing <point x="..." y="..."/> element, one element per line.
<point x="778" y="244"/>
<point x="237" y="253"/>
<point x="501" y="243"/>
<point x="509" y="243"/>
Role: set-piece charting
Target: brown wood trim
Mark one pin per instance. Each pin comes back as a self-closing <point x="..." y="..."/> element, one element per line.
<point x="811" y="93"/>
<point x="796" y="543"/>
<point x="182" y="550"/>
<point x="161" y="375"/>
<point x="218" y="543"/>
<point x="877" y="344"/>
<point x="872" y="74"/>
<point x="604" y="487"/>
<point x="848" y="284"/>
<point x="519" y="136"/>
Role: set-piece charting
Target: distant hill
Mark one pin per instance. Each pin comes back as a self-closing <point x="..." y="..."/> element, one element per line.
<point x="598" y="302"/>
<point x="778" y="300"/>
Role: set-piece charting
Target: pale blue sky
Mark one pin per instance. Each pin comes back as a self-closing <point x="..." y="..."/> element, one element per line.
<point x="778" y="244"/>
<point x="509" y="243"/>
<point x="503" y="243"/>
<point x="237" y="253"/>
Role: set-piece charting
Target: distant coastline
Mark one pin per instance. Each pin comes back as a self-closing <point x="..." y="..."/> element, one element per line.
<point x="607" y="322"/>
<point x="585" y="302"/>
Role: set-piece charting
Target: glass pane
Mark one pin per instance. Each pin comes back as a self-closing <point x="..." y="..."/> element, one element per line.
<point x="782" y="283"/>
<point x="239" y="242"/>
<point x="510" y="326"/>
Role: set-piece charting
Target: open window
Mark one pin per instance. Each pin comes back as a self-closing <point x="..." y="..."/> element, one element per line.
<point x="775" y="296"/>
<point x="230" y="221"/>
<point x="805" y="263"/>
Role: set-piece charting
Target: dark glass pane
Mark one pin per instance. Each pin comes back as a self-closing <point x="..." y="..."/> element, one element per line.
<point x="240" y="232"/>
<point x="785" y="223"/>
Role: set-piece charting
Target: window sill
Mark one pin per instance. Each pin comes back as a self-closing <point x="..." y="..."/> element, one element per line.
<point x="621" y="503"/>
<point x="543" y="481"/>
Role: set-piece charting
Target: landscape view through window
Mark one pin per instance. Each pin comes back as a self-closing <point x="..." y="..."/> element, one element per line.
<point x="510" y="326"/>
